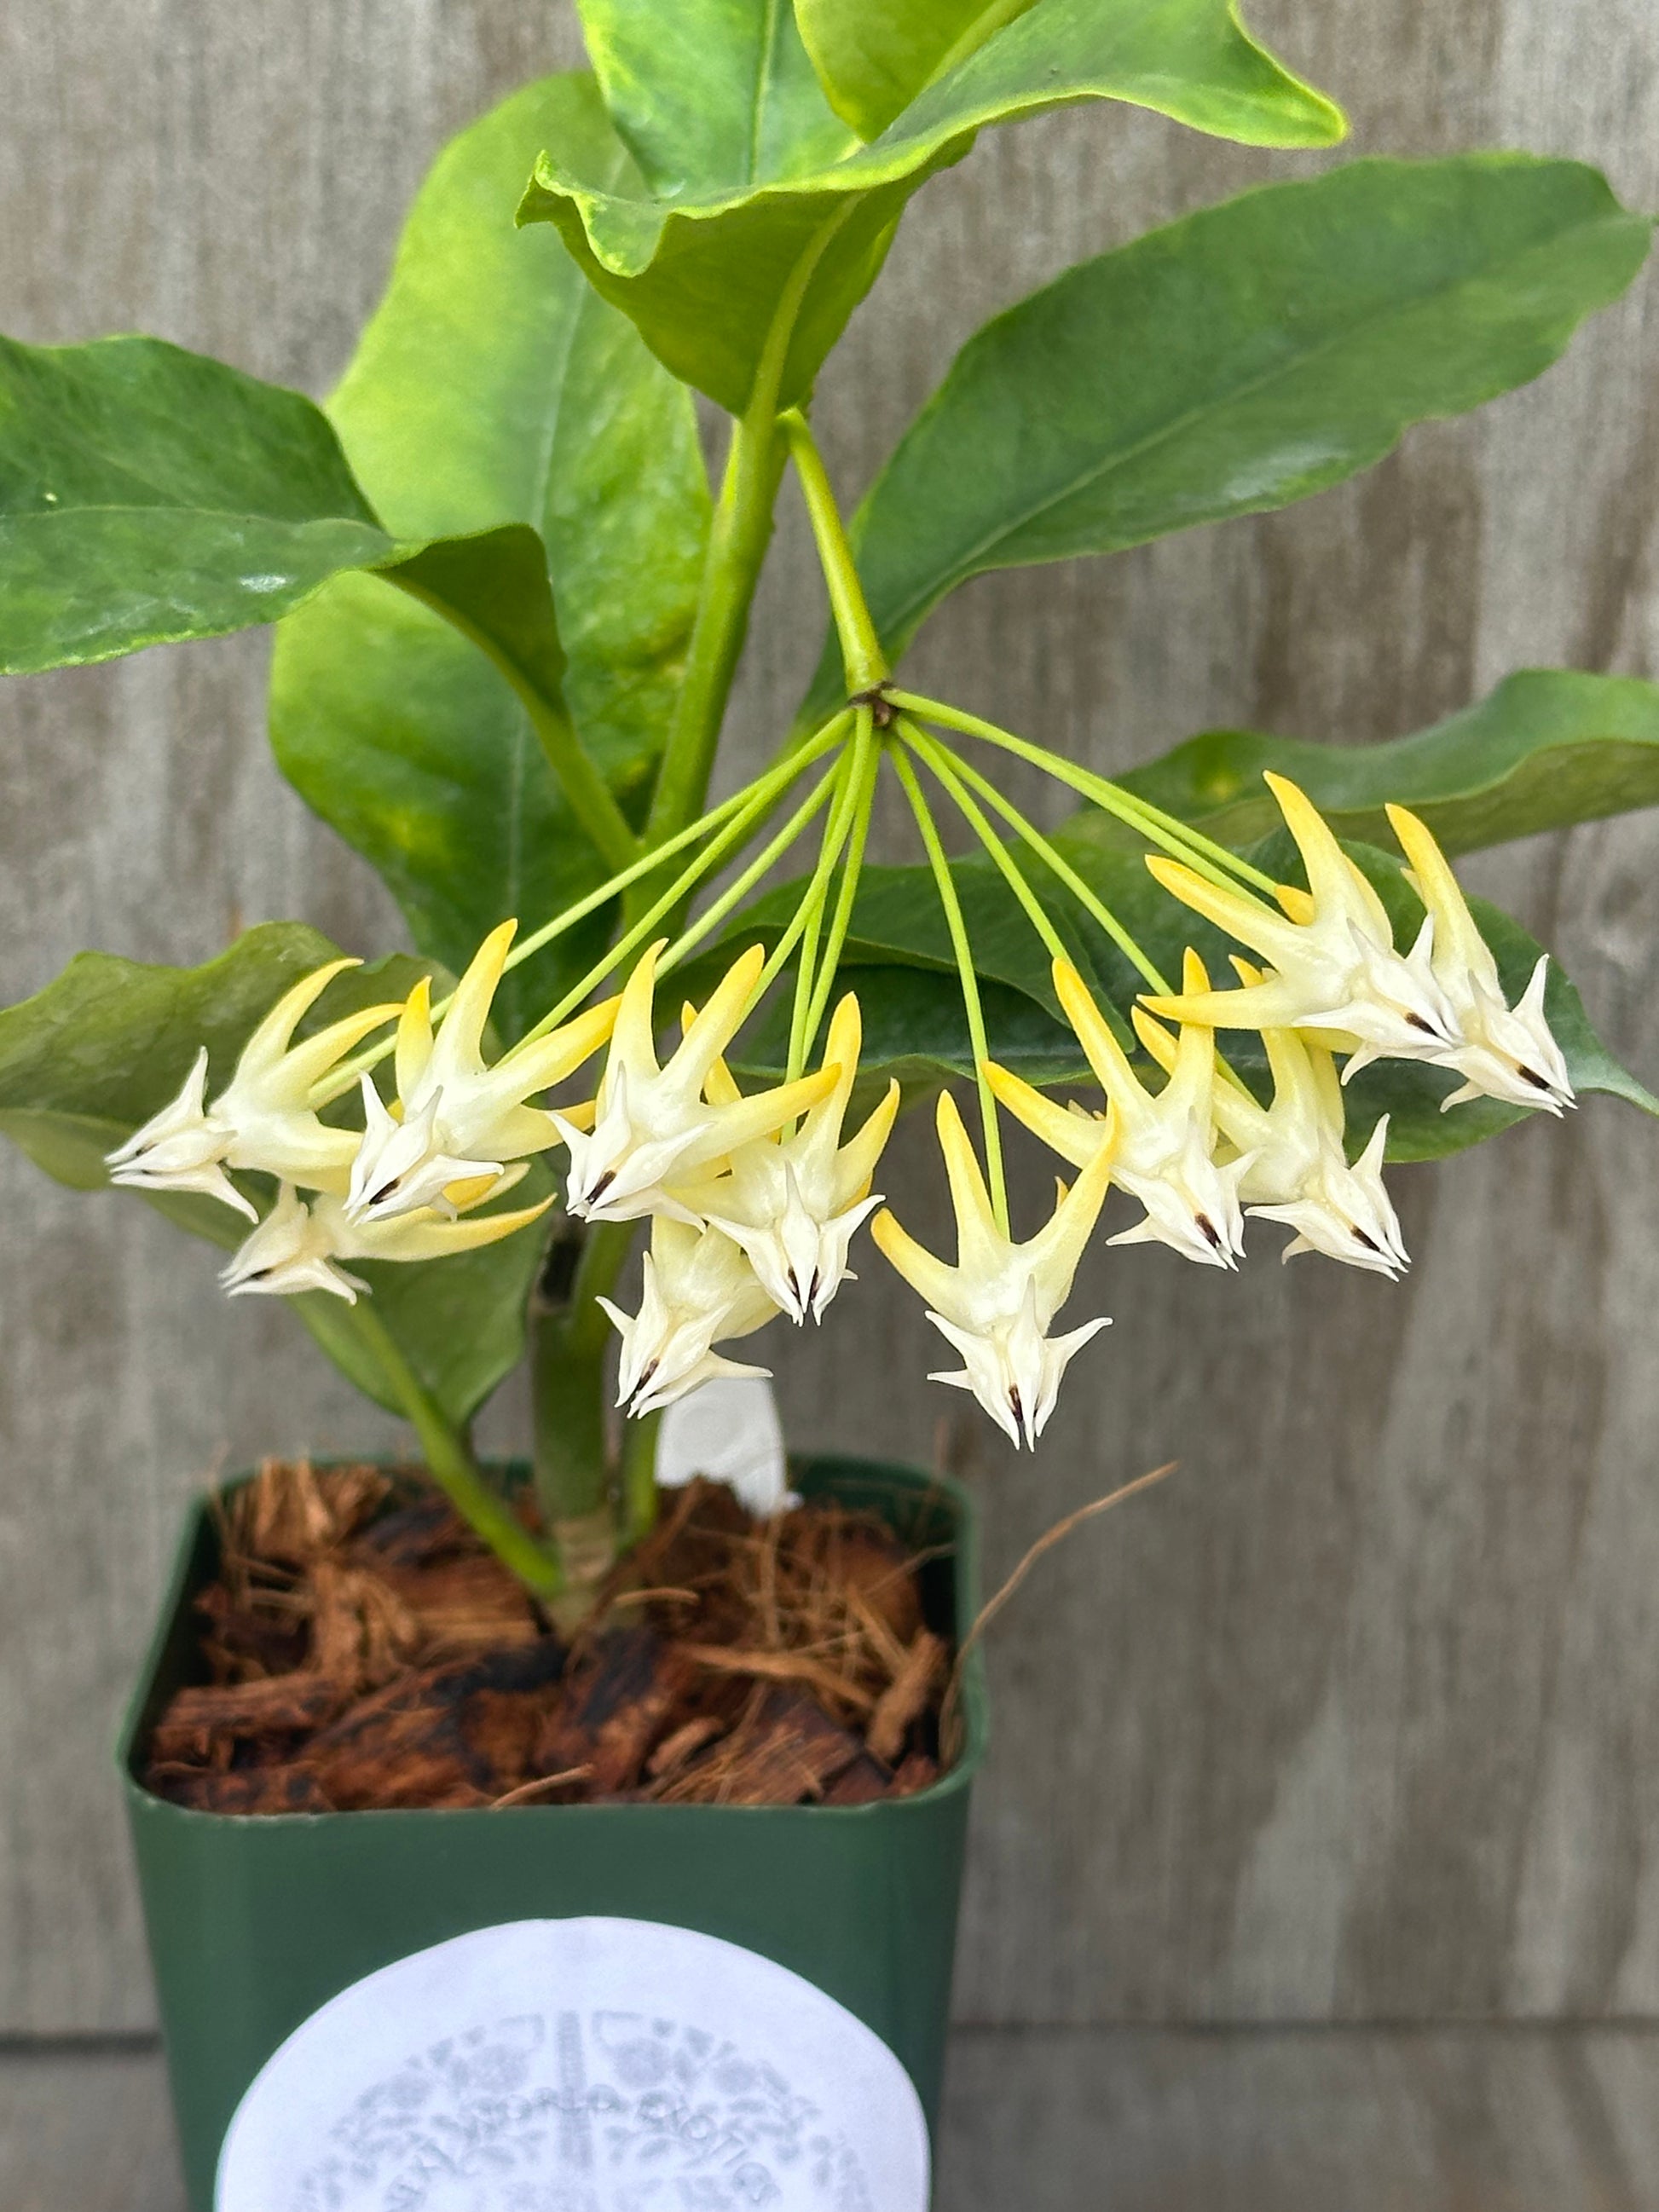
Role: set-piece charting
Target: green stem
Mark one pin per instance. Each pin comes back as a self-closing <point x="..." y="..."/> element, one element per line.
<point x="451" y="1464"/>
<point x="939" y="760"/>
<point x="970" y="999"/>
<point x="569" y="1347"/>
<point x="640" y="1479"/>
<point x="851" y="818"/>
<point x="737" y="547"/>
<point x="590" y="796"/>
<point x="1201" y="853"/>
<point x="861" y="655"/>
<point x="735" y="892"/>
<point x="1086" y="898"/>
<point x="842" y="920"/>
<point x="736" y="833"/>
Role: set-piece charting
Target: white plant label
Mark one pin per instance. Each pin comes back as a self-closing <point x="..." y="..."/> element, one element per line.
<point x="590" y="2065"/>
<point x="729" y="1430"/>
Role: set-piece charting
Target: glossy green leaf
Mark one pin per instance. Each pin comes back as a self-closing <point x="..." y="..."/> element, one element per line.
<point x="714" y="94"/>
<point x="148" y="494"/>
<point x="1237" y="360"/>
<point x="1548" y="748"/>
<point x="872" y="61"/>
<point x="109" y="1043"/>
<point x="494" y="387"/>
<point x="717" y="278"/>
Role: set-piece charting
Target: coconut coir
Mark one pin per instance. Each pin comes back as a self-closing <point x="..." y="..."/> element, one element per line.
<point x="363" y="1652"/>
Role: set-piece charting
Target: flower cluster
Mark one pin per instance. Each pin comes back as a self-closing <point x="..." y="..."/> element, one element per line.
<point x="753" y="1198"/>
<point x="1202" y="1152"/>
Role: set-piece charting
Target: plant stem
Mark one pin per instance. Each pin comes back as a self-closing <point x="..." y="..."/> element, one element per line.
<point x="939" y="760"/>
<point x="570" y="1341"/>
<point x="715" y="913"/>
<point x="861" y="655"/>
<point x="1085" y="897"/>
<point x="970" y="999"/>
<point x="736" y="833"/>
<point x="737" y="546"/>
<point x="841" y="919"/>
<point x="640" y="1478"/>
<point x="452" y="1466"/>
<point x="1200" y="853"/>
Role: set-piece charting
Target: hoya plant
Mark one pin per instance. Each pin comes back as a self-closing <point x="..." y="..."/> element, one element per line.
<point x="509" y="607"/>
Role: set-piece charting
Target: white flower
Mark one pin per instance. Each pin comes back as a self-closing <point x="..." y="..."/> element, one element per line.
<point x="1504" y="1052"/>
<point x="296" y="1246"/>
<point x="1162" y="1145"/>
<point x="1331" y="953"/>
<point x="653" y="1127"/>
<point x="457" y="1124"/>
<point x="699" y="1291"/>
<point x="1293" y="1167"/>
<point x="793" y="1202"/>
<point x="263" y="1120"/>
<point x="998" y="1304"/>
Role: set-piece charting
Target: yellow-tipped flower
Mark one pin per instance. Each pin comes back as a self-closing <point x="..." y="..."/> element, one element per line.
<point x="655" y="1128"/>
<point x="793" y="1202"/>
<point x="1163" y="1143"/>
<point x="298" y="1246"/>
<point x="998" y="1304"/>
<point x="1331" y="953"/>
<point x="699" y="1291"/>
<point x="1504" y="1052"/>
<point x="262" y="1119"/>
<point x="1292" y="1166"/>
<point x="459" y="1123"/>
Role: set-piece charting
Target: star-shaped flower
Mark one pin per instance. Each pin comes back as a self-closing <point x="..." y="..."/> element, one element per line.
<point x="459" y="1123"/>
<point x="296" y="1247"/>
<point x="1292" y="1166"/>
<point x="1331" y="953"/>
<point x="654" y="1128"/>
<point x="793" y="1202"/>
<point x="263" y="1120"/>
<point x="1503" y="1051"/>
<point x="1163" y="1143"/>
<point x="997" y="1305"/>
<point x="699" y="1291"/>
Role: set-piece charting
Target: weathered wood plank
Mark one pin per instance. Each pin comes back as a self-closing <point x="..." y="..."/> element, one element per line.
<point x="1055" y="2120"/>
<point x="1359" y="1715"/>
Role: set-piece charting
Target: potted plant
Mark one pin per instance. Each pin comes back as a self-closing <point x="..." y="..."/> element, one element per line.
<point x="624" y="1104"/>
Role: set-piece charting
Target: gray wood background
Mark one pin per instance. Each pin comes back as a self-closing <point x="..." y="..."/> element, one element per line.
<point x="1358" y="1718"/>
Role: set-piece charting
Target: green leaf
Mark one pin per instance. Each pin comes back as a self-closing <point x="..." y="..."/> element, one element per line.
<point x="872" y="61"/>
<point x="109" y="1043"/>
<point x="1237" y="360"/>
<point x="717" y="94"/>
<point x="718" y="279"/>
<point x="492" y="386"/>
<point x="148" y="494"/>
<point x="1548" y="748"/>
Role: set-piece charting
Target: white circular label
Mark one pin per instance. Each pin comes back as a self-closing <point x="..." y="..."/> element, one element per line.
<point x="590" y="2065"/>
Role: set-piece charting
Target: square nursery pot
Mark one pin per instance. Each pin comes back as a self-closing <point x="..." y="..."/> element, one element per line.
<point x="254" y="1924"/>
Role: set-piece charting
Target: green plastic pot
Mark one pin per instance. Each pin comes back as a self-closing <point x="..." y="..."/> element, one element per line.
<point x="253" y="1924"/>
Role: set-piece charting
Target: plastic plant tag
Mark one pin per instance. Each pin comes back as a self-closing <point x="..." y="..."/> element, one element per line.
<point x="589" y="2066"/>
<point x="729" y="1430"/>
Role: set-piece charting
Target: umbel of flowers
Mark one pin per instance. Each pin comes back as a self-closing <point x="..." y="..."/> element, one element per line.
<point x="753" y="1198"/>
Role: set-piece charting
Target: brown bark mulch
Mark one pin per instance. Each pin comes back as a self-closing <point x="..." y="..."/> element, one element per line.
<point x="365" y="1652"/>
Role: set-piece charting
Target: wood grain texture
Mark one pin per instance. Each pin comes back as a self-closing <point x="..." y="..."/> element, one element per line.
<point x="1062" y="2120"/>
<point x="1358" y="1716"/>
